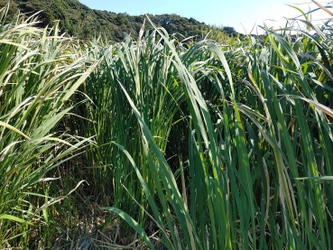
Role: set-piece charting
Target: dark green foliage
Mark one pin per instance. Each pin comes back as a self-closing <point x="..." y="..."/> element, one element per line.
<point x="78" y="20"/>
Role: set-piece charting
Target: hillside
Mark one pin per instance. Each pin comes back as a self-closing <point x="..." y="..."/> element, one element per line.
<point x="78" y="20"/>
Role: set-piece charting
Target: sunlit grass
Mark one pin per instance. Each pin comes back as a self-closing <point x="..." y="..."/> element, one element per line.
<point x="36" y="80"/>
<point x="193" y="145"/>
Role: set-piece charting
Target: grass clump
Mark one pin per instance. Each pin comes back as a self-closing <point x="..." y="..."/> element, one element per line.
<point x="39" y="72"/>
<point x="194" y="145"/>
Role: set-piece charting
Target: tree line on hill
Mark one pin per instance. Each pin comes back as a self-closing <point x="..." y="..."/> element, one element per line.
<point x="76" y="19"/>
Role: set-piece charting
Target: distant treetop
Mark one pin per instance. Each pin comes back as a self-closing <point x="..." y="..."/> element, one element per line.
<point x="76" y="19"/>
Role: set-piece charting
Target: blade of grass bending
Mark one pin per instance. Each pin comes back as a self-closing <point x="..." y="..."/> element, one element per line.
<point x="273" y="37"/>
<point x="239" y="140"/>
<point x="287" y="196"/>
<point x="47" y="125"/>
<point x="132" y="223"/>
<point x="8" y="126"/>
<point x="15" y="218"/>
<point x="308" y="144"/>
<point x="80" y="81"/>
<point x="146" y="191"/>
<point x="318" y="105"/>
<point x="278" y="156"/>
<point x="168" y="179"/>
<point x="149" y="215"/>
<point x="202" y="124"/>
<point x="318" y="178"/>
<point x="323" y="7"/>
<point x="317" y="205"/>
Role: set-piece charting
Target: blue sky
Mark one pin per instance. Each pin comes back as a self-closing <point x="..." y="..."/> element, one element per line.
<point x="239" y="14"/>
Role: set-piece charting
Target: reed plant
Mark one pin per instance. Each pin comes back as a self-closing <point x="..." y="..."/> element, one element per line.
<point x="39" y="72"/>
<point x="259" y="150"/>
<point x="195" y="145"/>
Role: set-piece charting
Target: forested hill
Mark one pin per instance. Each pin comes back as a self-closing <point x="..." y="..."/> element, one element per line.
<point x="78" y="20"/>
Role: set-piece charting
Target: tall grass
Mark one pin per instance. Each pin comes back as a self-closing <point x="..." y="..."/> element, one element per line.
<point x="194" y="145"/>
<point x="256" y="155"/>
<point x="39" y="72"/>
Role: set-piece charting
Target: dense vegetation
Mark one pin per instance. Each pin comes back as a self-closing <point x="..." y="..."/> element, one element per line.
<point x="156" y="143"/>
<point x="78" y="20"/>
